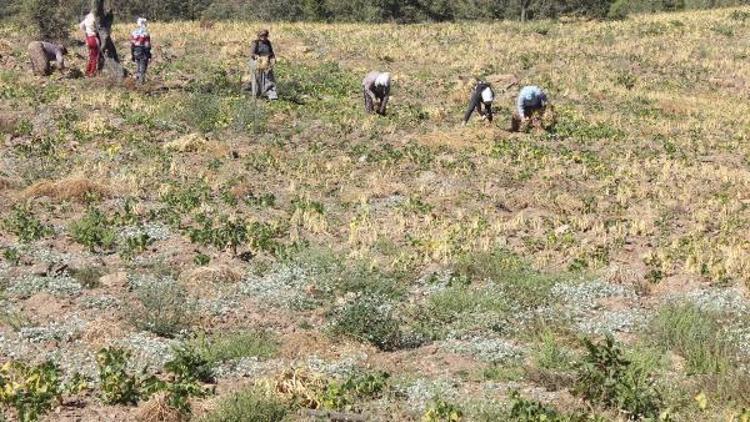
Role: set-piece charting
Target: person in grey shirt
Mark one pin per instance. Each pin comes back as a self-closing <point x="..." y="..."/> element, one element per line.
<point x="531" y="101"/>
<point x="376" y="87"/>
<point x="43" y="53"/>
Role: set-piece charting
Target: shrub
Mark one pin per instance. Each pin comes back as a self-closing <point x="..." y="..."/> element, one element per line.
<point x="442" y="411"/>
<point x="248" y="405"/>
<point x="117" y="385"/>
<point x="605" y="377"/>
<point x="50" y="19"/>
<point x="225" y="347"/>
<point x="695" y="335"/>
<point x="189" y="363"/>
<point x="357" y="387"/>
<point x="164" y="308"/>
<point x="30" y="390"/>
<point x="368" y="320"/>
<point x="23" y="223"/>
<point x="186" y="372"/>
<point x="94" y="230"/>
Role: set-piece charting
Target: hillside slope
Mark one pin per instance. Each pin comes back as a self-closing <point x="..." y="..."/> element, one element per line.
<point x="464" y="262"/>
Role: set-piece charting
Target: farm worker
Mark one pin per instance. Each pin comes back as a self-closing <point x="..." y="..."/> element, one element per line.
<point x="262" y="61"/>
<point x="377" y="88"/>
<point x="88" y="26"/>
<point x="140" y="49"/>
<point x="531" y="101"/>
<point x="481" y="100"/>
<point x="42" y="53"/>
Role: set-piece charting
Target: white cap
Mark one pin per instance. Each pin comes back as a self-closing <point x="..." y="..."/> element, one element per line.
<point x="142" y="21"/>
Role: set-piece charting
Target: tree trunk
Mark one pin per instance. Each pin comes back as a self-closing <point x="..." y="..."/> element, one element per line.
<point x="110" y="61"/>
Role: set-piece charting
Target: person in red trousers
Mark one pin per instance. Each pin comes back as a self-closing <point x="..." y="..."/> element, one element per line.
<point x="88" y="26"/>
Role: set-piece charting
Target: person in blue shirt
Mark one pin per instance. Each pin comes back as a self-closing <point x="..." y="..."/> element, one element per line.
<point x="532" y="101"/>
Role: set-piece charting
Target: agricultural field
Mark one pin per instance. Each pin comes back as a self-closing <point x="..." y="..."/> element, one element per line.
<point x="180" y="251"/>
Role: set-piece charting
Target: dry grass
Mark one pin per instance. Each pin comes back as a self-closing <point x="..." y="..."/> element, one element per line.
<point x="157" y="410"/>
<point x="77" y="188"/>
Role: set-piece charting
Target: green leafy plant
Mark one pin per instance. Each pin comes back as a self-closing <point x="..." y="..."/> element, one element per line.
<point x="356" y="387"/>
<point x="443" y="411"/>
<point x="187" y="371"/>
<point x="366" y="320"/>
<point x="117" y="385"/>
<point x="605" y="377"/>
<point x="23" y="223"/>
<point x="30" y="390"/>
<point x="94" y="230"/>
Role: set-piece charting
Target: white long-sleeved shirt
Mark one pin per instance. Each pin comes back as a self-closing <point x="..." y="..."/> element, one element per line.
<point x="88" y="25"/>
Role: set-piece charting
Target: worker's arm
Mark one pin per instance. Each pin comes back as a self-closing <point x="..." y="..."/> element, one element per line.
<point x="519" y="107"/>
<point x="253" y="50"/>
<point x="60" y="60"/>
<point x="488" y="112"/>
<point x="271" y="56"/>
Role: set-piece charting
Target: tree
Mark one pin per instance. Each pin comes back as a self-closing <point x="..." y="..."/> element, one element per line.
<point x="109" y="57"/>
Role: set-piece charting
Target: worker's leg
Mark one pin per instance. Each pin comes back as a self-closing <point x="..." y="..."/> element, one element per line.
<point x="93" y="63"/>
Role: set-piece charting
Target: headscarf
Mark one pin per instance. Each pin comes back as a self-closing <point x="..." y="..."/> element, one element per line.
<point x="142" y="22"/>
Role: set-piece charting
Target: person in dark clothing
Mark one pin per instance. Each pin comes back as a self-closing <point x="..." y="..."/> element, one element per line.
<point x="377" y="89"/>
<point x="262" y="60"/>
<point x="481" y="100"/>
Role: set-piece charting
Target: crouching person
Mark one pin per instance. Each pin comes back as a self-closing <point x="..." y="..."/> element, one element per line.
<point x="377" y="89"/>
<point x="480" y="101"/>
<point x="43" y="54"/>
<point x="140" y="49"/>
<point x="531" y="106"/>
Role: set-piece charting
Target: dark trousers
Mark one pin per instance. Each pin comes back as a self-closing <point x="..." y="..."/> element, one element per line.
<point x="381" y="95"/>
<point x="481" y="107"/>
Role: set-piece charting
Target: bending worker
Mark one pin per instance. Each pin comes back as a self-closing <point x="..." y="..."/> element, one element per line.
<point x="140" y="49"/>
<point x="481" y="100"/>
<point x="42" y="53"/>
<point x="262" y="60"/>
<point x="532" y="101"/>
<point x="376" y="87"/>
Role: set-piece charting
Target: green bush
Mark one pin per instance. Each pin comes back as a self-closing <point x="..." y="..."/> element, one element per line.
<point x="163" y="308"/>
<point x="442" y="411"/>
<point x="94" y="230"/>
<point x="30" y="390"/>
<point x="23" y="223"/>
<point x="248" y="405"/>
<point x="695" y="335"/>
<point x="117" y="385"/>
<point x="368" y="320"/>
<point x="356" y="388"/>
<point x="606" y="378"/>
<point x="50" y="19"/>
